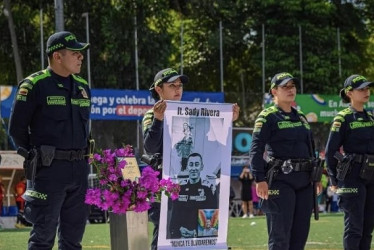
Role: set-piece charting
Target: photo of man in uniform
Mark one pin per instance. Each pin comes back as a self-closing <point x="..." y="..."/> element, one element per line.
<point x="183" y="221"/>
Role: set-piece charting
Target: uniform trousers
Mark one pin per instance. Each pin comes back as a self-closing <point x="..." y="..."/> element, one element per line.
<point x="57" y="202"/>
<point x="154" y="217"/>
<point x="288" y="211"/>
<point x="357" y="202"/>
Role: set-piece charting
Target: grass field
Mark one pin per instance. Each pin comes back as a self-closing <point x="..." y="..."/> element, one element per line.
<point x="326" y="233"/>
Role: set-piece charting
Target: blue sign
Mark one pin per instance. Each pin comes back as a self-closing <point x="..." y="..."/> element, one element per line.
<point x="113" y="104"/>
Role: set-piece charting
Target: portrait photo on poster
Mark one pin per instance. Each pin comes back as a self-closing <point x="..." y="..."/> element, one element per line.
<point x="194" y="167"/>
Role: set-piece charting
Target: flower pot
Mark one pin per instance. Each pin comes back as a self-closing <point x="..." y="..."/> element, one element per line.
<point x="129" y="231"/>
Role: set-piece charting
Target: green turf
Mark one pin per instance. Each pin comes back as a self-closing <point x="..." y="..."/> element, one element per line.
<point x="324" y="234"/>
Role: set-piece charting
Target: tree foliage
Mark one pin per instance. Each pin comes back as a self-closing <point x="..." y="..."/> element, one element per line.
<point x="159" y="24"/>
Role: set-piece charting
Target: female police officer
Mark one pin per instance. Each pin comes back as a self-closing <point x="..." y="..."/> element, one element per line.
<point x="167" y="85"/>
<point x="284" y="182"/>
<point x="352" y="177"/>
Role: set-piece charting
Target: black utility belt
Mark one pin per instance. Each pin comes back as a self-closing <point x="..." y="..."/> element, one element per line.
<point x="363" y="158"/>
<point x="50" y="153"/>
<point x="292" y="165"/>
<point x="70" y="155"/>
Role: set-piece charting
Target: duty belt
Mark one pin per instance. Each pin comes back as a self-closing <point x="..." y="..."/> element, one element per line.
<point x="301" y="165"/>
<point x="70" y="155"/>
<point x="292" y="165"/>
<point x="359" y="158"/>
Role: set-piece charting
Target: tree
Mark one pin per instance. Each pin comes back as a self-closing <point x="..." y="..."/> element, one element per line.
<point x="17" y="59"/>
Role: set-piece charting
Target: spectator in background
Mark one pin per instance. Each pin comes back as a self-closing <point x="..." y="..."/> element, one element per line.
<point x="246" y="179"/>
<point x="19" y="190"/>
<point x="322" y="197"/>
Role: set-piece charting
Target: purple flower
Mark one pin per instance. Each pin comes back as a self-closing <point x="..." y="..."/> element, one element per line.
<point x="120" y="195"/>
<point x="141" y="206"/>
<point x="112" y="177"/>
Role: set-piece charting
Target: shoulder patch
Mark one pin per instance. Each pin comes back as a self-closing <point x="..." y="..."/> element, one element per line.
<point x="26" y="84"/>
<point x="147" y="119"/>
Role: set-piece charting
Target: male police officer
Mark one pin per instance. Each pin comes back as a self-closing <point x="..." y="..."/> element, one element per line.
<point x="192" y="197"/>
<point x="50" y="120"/>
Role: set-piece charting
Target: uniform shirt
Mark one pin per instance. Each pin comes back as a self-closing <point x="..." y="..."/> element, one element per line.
<point x="51" y="110"/>
<point x="354" y="131"/>
<point x="153" y="133"/>
<point x="283" y="135"/>
<point x="192" y="197"/>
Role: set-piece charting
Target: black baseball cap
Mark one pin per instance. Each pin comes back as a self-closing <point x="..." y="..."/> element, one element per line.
<point x="281" y="79"/>
<point x="354" y="82"/>
<point x="64" y="40"/>
<point x="167" y="75"/>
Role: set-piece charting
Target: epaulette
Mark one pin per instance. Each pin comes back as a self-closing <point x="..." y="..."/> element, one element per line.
<point x="299" y="112"/>
<point x="80" y="79"/>
<point x="268" y="111"/>
<point x="341" y="114"/>
<point x="34" y="78"/>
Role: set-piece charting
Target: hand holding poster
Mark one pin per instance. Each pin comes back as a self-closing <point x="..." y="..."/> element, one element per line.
<point x="197" y="155"/>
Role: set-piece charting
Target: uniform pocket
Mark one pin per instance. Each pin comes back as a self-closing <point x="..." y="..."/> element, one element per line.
<point x="56" y="112"/>
<point x="35" y="207"/>
<point x="348" y="197"/>
<point x="271" y="204"/>
<point x="85" y="113"/>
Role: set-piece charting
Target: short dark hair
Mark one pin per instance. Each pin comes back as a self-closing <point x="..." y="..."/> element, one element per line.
<point x="194" y="155"/>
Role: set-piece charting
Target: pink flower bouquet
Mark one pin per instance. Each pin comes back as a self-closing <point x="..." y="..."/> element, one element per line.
<point x="120" y="195"/>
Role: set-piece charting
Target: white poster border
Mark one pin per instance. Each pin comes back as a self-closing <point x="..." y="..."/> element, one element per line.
<point x="211" y="125"/>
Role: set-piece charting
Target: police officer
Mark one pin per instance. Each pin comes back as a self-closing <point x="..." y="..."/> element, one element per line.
<point x="284" y="182"/>
<point x="192" y="197"/>
<point x="167" y="85"/>
<point x="49" y="119"/>
<point x="352" y="177"/>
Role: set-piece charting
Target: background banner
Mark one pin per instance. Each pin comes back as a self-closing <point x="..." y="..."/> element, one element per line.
<point x="197" y="155"/>
<point x="319" y="108"/>
<point x="114" y="104"/>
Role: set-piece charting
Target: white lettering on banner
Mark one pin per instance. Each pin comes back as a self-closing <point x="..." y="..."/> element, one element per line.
<point x="131" y="110"/>
<point x="95" y="110"/>
<point x="325" y="113"/>
<point x="99" y="100"/>
<point x="109" y="111"/>
<point x="121" y="110"/>
<point x="333" y="104"/>
<point x="130" y="100"/>
<point x="111" y="101"/>
<point x="342" y="104"/>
